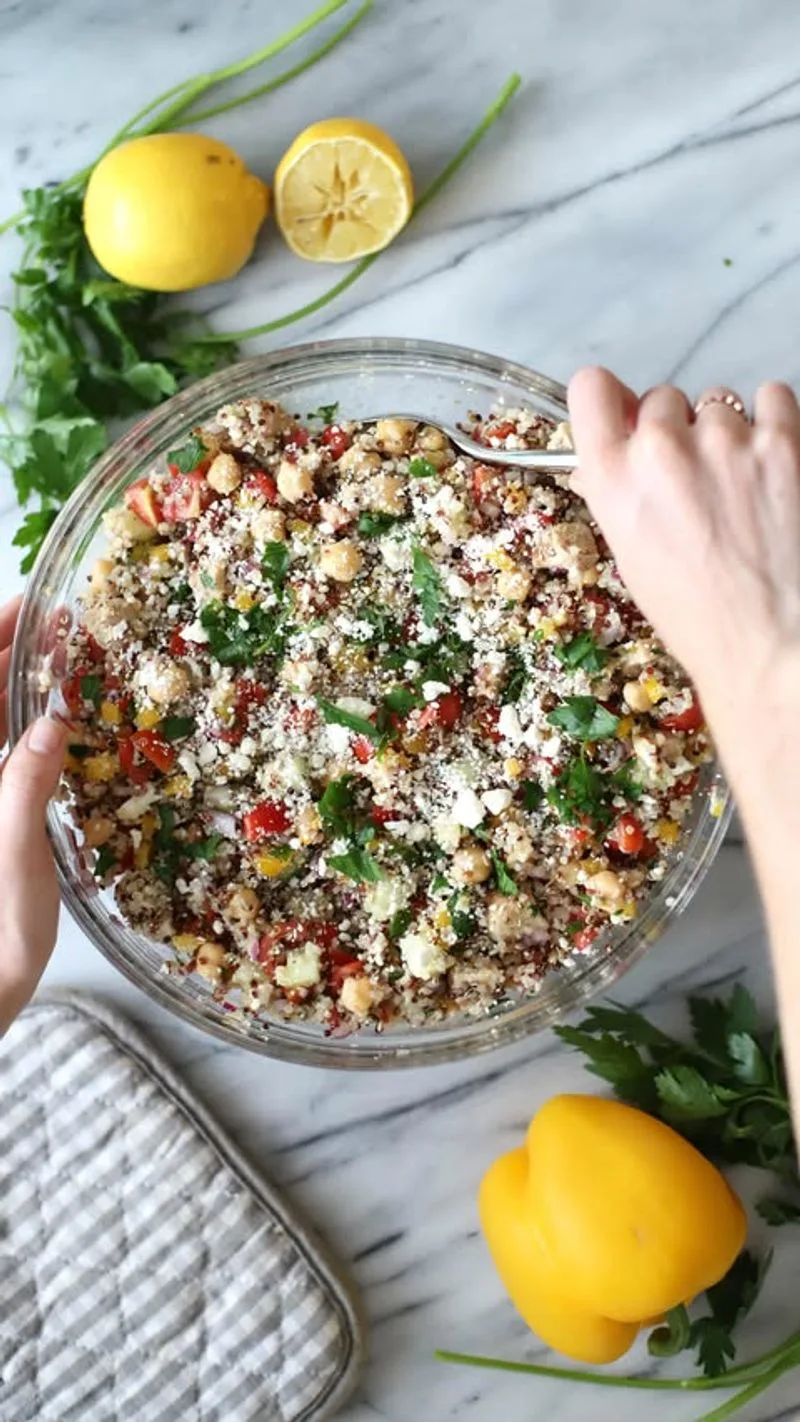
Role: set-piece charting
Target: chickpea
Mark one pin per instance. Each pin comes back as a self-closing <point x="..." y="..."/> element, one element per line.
<point x="209" y="961"/>
<point x="308" y="825"/>
<point x="508" y="919"/>
<point x="518" y="846"/>
<point x="395" y="436"/>
<point x="606" y="886"/>
<point x="471" y="865"/>
<point x="513" y="585"/>
<point x="242" y="906"/>
<point x="97" y="830"/>
<point x="434" y="446"/>
<point x="224" y="474"/>
<point x="359" y="461"/>
<point x="163" y="680"/>
<point x="268" y="526"/>
<point x="101" y="573"/>
<point x="386" y="493"/>
<point x="574" y="548"/>
<point x="294" y="482"/>
<point x="342" y="561"/>
<point x="635" y="696"/>
<point x="357" y="995"/>
<point x="125" y="525"/>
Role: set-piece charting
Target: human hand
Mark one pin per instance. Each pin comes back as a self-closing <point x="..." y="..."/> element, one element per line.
<point x="702" y="513"/>
<point x="29" y="902"/>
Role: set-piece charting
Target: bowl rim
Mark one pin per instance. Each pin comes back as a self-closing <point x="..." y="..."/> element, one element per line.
<point x="420" y="1046"/>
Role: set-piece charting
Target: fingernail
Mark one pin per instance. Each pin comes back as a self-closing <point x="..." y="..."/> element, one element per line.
<point x="45" y="736"/>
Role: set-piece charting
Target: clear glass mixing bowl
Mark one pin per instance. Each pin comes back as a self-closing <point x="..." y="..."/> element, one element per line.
<point x="366" y="377"/>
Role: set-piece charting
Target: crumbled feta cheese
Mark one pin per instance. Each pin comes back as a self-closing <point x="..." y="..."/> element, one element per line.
<point x="302" y="968"/>
<point x="137" y="806"/>
<point x="395" y="554"/>
<point x="422" y="955"/>
<point x="508" y="724"/>
<point x="496" y="801"/>
<point x="386" y="898"/>
<point x="447" y="834"/>
<point x="467" y="809"/>
<point x="432" y="689"/>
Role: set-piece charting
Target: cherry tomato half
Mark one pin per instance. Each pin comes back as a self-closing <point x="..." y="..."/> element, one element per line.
<point x="270" y="817"/>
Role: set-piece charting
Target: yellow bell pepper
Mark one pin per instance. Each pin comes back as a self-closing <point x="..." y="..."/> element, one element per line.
<point x="603" y="1221"/>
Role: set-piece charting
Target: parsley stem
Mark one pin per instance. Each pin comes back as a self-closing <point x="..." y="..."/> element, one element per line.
<point x="753" y="1390"/>
<point x="769" y="1366"/>
<point x="493" y="113"/>
<point x="189" y="90"/>
<point x="288" y="74"/>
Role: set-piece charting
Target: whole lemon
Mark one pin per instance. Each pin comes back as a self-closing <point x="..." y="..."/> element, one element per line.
<point x="173" y="211"/>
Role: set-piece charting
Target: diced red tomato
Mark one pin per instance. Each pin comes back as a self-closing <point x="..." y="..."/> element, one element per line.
<point x="302" y="718"/>
<point x="231" y="735"/>
<point x="363" y="749"/>
<point x="684" y="787"/>
<point x="187" y="497"/>
<point x="292" y="932"/>
<point x="142" y="499"/>
<point x="487" y="718"/>
<point x="484" y="477"/>
<point x="689" y="720"/>
<point x="342" y="965"/>
<point x="628" y="835"/>
<point x="337" y="440"/>
<point x="71" y="690"/>
<point x="259" y="482"/>
<point x="501" y="431"/>
<point x="137" y="773"/>
<point x="578" y="836"/>
<point x="155" y="749"/>
<point x="270" y="817"/>
<point x="296" y="436"/>
<point x="380" y="815"/>
<point x="95" y="651"/>
<point x="584" y="939"/>
<point x="178" y="645"/>
<point x="444" y="711"/>
<point x="249" y="693"/>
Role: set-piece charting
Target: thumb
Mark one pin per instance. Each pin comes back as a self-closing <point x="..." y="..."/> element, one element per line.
<point x="30" y="777"/>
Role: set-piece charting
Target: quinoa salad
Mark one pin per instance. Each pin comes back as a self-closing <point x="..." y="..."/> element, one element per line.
<point x="364" y="730"/>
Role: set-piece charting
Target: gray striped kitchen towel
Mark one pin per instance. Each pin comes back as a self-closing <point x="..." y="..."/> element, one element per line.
<point x="147" y="1274"/>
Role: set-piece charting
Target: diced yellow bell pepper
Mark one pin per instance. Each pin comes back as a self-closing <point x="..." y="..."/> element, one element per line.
<point x="178" y="787"/>
<point x="102" y="767"/>
<point x="502" y="560"/>
<point x="271" y="865"/>
<point x="111" y="713"/>
<point x="146" y="720"/>
<point x="186" y="942"/>
<point x="142" y="854"/>
<point x="655" y="691"/>
<point x="625" y="728"/>
<point x="243" y="601"/>
<point x="158" y="553"/>
<point x="513" y="767"/>
<point x="667" y="831"/>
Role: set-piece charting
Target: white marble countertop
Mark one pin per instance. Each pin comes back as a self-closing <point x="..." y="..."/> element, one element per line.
<point x="637" y="206"/>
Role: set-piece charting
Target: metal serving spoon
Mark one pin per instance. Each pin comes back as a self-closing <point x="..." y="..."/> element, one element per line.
<point x="513" y="458"/>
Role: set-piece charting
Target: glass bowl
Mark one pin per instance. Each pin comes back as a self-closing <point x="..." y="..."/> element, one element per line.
<point x="366" y="377"/>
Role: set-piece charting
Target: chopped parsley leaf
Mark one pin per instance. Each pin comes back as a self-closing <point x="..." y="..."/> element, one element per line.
<point x="174" y="728"/>
<point x="374" y="525"/>
<point x="532" y="794"/>
<point x="517" y="677"/>
<point x="90" y="688"/>
<point x="326" y="413"/>
<point x="275" y="564"/>
<point x="584" y="718"/>
<point x="240" y="639"/>
<point x="336" y="805"/>
<point x="422" y="469"/>
<point x="582" y="793"/>
<point x="335" y="716"/>
<point x="399" y="923"/>
<point x="401" y="700"/>
<point x="357" y="864"/>
<point x="462" y="921"/>
<point x="426" y="581"/>
<point x="582" y="652"/>
<point x="505" y="883"/>
<point x="190" y="454"/>
<point x="104" y="860"/>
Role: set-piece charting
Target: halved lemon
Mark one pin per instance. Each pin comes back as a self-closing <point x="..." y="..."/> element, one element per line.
<point x="342" y="190"/>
